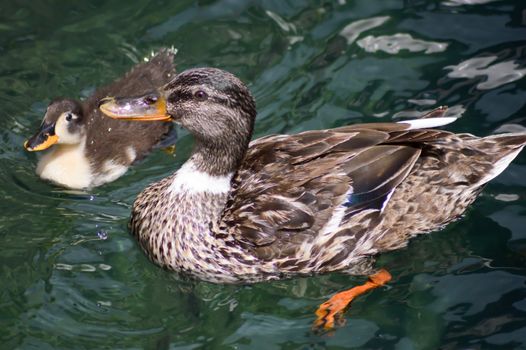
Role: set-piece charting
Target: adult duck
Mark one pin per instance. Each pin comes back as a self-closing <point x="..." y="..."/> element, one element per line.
<point x="295" y="205"/>
<point x="87" y="149"/>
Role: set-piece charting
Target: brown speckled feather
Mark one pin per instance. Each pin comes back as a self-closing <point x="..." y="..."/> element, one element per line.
<point x="314" y="202"/>
<point x="288" y="187"/>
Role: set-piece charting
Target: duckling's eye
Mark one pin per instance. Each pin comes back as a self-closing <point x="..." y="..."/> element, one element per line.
<point x="200" y="95"/>
<point x="150" y="100"/>
<point x="69" y="116"/>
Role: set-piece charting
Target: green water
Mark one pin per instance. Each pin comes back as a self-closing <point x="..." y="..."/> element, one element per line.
<point x="317" y="64"/>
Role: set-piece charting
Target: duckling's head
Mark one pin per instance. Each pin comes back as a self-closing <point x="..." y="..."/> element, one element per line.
<point x="63" y="124"/>
<point x="212" y="104"/>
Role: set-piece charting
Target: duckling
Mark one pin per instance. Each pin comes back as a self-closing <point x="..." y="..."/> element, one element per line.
<point x="295" y="205"/>
<point x="86" y="149"/>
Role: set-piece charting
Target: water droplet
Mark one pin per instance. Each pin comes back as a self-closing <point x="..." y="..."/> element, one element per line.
<point x="102" y="234"/>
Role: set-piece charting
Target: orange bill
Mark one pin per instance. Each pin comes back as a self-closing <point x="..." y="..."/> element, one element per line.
<point x="43" y="139"/>
<point x="150" y="107"/>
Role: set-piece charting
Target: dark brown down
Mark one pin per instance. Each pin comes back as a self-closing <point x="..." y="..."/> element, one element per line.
<point x="108" y="138"/>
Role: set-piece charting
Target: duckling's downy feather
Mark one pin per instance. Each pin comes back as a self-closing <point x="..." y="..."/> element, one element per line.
<point x="108" y="139"/>
<point x="106" y="147"/>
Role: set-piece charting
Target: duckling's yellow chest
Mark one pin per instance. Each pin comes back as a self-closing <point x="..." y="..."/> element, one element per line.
<point x="66" y="165"/>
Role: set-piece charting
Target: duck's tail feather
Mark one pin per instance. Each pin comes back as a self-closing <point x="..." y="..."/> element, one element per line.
<point x="432" y="119"/>
<point x="515" y="140"/>
<point x="502" y="149"/>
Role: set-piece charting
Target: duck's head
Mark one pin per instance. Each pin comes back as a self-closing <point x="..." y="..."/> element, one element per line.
<point x="213" y="105"/>
<point x="63" y="124"/>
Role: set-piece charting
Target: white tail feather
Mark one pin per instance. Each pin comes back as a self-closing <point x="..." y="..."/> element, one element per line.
<point x="428" y="122"/>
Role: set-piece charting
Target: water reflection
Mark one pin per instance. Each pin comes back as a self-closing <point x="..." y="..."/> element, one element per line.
<point x="311" y="66"/>
<point x="466" y="2"/>
<point x="496" y="74"/>
<point x="352" y="31"/>
<point x="393" y="44"/>
<point x="286" y="26"/>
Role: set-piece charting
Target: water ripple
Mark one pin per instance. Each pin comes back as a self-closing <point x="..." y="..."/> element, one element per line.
<point x="352" y="31"/>
<point x="466" y="2"/>
<point x="75" y="278"/>
<point x="393" y="44"/>
<point x="287" y="27"/>
<point x="496" y="75"/>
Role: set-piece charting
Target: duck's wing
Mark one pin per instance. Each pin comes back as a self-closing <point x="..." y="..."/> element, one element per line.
<point x="291" y="188"/>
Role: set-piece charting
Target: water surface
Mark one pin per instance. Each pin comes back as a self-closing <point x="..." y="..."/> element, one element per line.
<point x="310" y="65"/>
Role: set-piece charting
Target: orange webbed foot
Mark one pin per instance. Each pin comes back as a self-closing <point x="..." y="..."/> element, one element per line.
<point x="330" y="313"/>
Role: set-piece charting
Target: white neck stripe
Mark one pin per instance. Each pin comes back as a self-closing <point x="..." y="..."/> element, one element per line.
<point x="190" y="180"/>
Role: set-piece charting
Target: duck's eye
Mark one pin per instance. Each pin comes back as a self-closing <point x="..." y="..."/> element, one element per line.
<point x="69" y="116"/>
<point x="200" y="95"/>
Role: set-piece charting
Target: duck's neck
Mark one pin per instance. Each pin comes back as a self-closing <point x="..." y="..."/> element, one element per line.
<point x="219" y="158"/>
<point x="191" y="181"/>
<point x="192" y="204"/>
<point x="185" y="230"/>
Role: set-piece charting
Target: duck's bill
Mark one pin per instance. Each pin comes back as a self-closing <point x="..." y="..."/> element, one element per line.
<point x="150" y="107"/>
<point x="43" y="139"/>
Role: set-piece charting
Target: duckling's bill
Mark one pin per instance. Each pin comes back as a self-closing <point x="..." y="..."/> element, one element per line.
<point x="43" y="139"/>
<point x="150" y="107"/>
